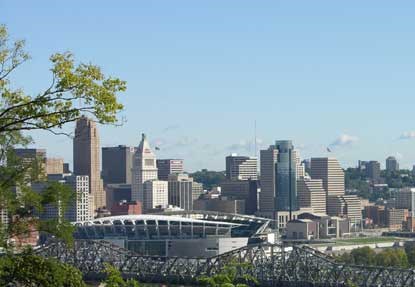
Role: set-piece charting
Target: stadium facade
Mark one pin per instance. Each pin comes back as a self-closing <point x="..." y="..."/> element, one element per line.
<point x="185" y="234"/>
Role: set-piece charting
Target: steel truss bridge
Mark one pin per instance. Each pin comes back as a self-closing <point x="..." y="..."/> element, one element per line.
<point x="271" y="264"/>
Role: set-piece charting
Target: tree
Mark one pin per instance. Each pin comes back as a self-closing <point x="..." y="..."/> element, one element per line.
<point x="359" y="256"/>
<point x="410" y="252"/>
<point x="27" y="269"/>
<point x="392" y="258"/>
<point x="232" y="275"/>
<point x="366" y="256"/>
<point x="209" y="178"/>
<point x="114" y="278"/>
<point x="75" y="89"/>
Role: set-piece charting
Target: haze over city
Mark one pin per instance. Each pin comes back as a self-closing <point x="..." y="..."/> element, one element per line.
<point x="200" y="73"/>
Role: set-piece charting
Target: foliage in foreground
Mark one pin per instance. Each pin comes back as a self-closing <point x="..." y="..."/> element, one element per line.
<point x="75" y="89"/>
<point x="114" y="278"/>
<point x="28" y="269"/>
<point x="232" y="275"/>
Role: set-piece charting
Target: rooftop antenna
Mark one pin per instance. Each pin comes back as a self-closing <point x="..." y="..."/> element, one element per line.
<point x="255" y="147"/>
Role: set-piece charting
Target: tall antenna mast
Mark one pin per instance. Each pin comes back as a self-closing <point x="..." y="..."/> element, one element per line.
<point x="255" y="138"/>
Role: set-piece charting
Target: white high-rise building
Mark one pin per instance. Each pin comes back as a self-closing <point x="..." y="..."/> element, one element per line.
<point x="144" y="169"/>
<point x="83" y="208"/>
<point x="80" y="209"/>
<point x="155" y="194"/>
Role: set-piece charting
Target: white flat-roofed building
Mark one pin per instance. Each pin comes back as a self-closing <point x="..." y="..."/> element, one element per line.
<point x="155" y="194"/>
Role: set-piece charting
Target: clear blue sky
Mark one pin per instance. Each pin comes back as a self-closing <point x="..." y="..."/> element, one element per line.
<point x="322" y="73"/>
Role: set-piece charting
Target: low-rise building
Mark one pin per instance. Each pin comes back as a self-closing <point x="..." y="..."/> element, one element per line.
<point x="328" y="227"/>
<point x="377" y="214"/>
<point x="345" y="205"/>
<point x="305" y="229"/>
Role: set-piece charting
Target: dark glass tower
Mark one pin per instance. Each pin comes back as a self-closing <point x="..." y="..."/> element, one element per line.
<point x="285" y="176"/>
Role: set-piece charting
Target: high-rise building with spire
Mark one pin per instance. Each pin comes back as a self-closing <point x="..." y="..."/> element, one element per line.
<point x="144" y="169"/>
<point x="86" y="158"/>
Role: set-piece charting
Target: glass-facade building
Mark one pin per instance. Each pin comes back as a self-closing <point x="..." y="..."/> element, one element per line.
<point x="285" y="176"/>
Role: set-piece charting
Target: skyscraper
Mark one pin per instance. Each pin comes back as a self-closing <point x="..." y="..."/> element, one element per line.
<point x="268" y="159"/>
<point x="286" y="177"/>
<point x="241" y="167"/>
<point x="167" y="167"/>
<point x="144" y="169"/>
<point x="86" y="158"/>
<point x="117" y="163"/>
<point x="392" y="164"/>
<point x="332" y="175"/>
<point x="279" y="173"/>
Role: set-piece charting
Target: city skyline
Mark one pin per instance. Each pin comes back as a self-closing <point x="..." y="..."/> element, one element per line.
<point x="340" y="67"/>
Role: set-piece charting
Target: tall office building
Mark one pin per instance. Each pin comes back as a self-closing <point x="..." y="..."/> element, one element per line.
<point x="183" y="191"/>
<point x="286" y="177"/>
<point x="144" y="169"/>
<point x="267" y="203"/>
<point x="117" y="163"/>
<point x="392" y="164"/>
<point x="311" y="194"/>
<point x="86" y="158"/>
<point x="332" y="176"/>
<point x="330" y="172"/>
<point x="167" y="167"/>
<point x="241" y="167"/>
<point x="279" y="171"/>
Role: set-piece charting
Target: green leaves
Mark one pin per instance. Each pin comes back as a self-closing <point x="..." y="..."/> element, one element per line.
<point x="75" y="89"/>
<point x="29" y="269"/>
<point x="232" y="275"/>
<point x="114" y="278"/>
<point x="366" y="256"/>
